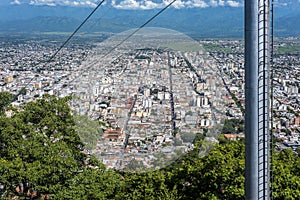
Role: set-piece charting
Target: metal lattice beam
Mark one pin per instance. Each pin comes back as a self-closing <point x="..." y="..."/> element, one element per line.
<point x="257" y="64"/>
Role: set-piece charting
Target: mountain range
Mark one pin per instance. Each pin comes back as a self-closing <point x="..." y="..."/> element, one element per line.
<point x="208" y="22"/>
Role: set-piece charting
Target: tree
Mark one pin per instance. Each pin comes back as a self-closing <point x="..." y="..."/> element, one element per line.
<point x="5" y="99"/>
<point x="286" y="173"/>
<point x="88" y="130"/>
<point x="232" y="125"/>
<point x="150" y="186"/>
<point x="23" y="91"/>
<point x="199" y="136"/>
<point x="135" y="166"/>
<point x="177" y="142"/>
<point x="188" y="137"/>
<point x="223" y="139"/>
<point x="219" y="175"/>
<point x="91" y="183"/>
<point x="298" y="151"/>
<point x="229" y="127"/>
<point x="39" y="147"/>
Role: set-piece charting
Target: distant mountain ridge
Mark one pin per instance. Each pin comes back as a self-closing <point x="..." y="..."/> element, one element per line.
<point x="198" y="22"/>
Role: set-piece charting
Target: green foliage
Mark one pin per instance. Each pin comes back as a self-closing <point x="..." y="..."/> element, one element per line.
<point x="199" y="136"/>
<point x="185" y="46"/>
<point x="229" y="127"/>
<point x="135" y="166"/>
<point x="237" y="102"/>
<point x="177" y="142"/>
<point x="92" y="184"/>
<point x="89" y="131"/>
<point x="216" y="176"/>
<point x="223" y="139"/>
<point x="288" y="49"/>
<point x="23" y="91"/>
<point x="233" y="126"/>
<point x="286" y="173"/>
<point x="216" y="47"/>
<point x="39" y="146"/>
<point x="148" y="186"/>
<point x="188" y="137"/>
<point x="298" y="151"/>
<point x="5" y="99"/>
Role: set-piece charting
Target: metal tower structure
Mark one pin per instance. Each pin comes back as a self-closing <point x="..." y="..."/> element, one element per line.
<point x="257" y="113"/>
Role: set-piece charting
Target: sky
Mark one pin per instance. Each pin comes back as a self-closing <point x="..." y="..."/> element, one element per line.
<point x="132" y="4"/>
<point x="140" y="4"/>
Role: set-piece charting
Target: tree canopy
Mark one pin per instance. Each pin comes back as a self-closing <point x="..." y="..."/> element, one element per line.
<point x="39" y="146"/>
<point x="5" y="99"/>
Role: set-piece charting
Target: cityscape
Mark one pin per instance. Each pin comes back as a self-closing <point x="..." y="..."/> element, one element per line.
<point x="151" y="101"/>
<point x="130" y="99"/>
<point x="150" y="98"/>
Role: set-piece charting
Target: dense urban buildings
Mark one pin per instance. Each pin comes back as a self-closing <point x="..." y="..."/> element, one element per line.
<point x="152" y="97"/>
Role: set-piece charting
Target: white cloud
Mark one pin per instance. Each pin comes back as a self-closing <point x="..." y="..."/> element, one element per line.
<point x="16" y="2"/>
<point x="135" y="4"/>
<point x="127" y="4"/>
<point x="199" y="4"/>
<point x="221" y="3"/>
<point x="178" y="4"/>
<point x="42" y="2"/>
<point x="150" y="4"/>
<point x="77" y="3"/>
<point x="213" y="3"/>
<point x="233" y="3"/>
<point x="80" y="3"/>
